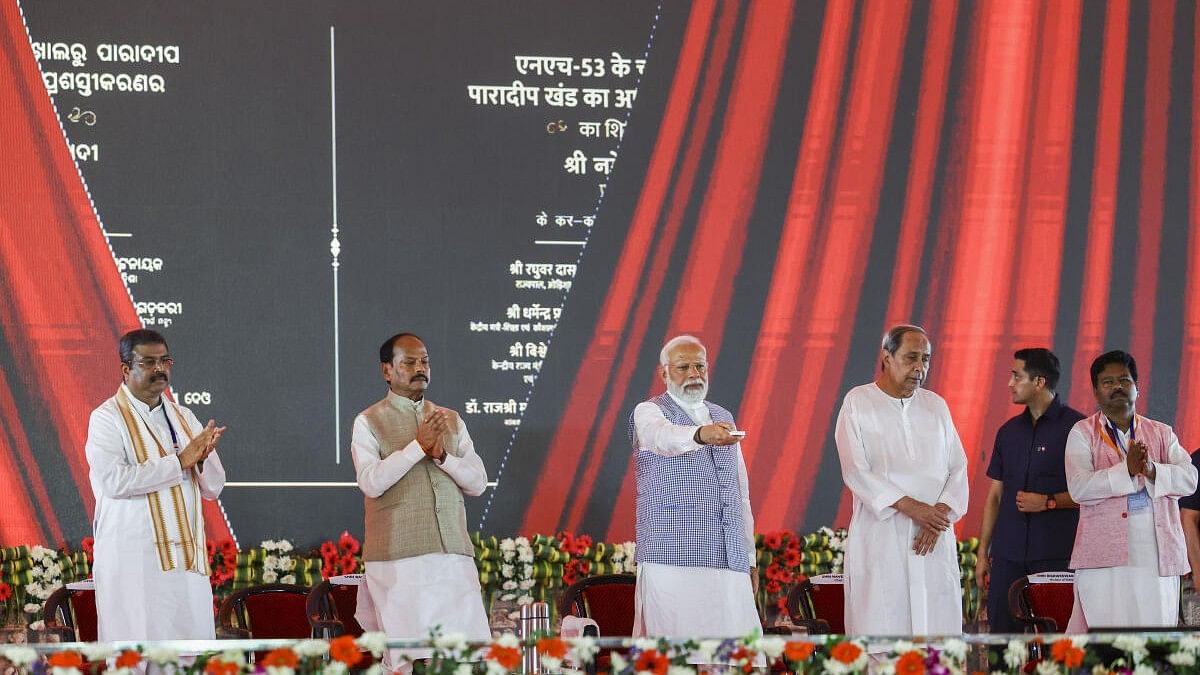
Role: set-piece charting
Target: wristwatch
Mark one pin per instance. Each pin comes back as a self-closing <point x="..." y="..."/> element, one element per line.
<point x="1051" y="503"/>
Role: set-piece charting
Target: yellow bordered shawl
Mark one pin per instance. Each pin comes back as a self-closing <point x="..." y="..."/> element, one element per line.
<point x="191" y="530"/>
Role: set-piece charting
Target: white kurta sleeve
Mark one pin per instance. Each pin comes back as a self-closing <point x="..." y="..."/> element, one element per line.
<point x="1176" y="477"/>
<point x="656" y="434"/>
<point x="1086" y="484"/>
<point x="467" y="470"/>
<point x="374" y="474"/>
<point x="113" y="472"/>
<point x="867" y="483"/>
<point x="956" y="493"/>
<point x="211" y="476"/>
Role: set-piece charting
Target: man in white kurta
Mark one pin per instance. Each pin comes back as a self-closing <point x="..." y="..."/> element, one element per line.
<point x="677" y="596"/>
<point x="434" y="581"/>
<point x="1127" y="472"/>
<point x="904" y="463"/>
<point x="151" y="463"/>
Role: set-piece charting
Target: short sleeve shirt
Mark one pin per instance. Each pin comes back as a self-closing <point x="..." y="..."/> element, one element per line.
<point x="1192" y="501"/>
<point x="1030" y="457"/>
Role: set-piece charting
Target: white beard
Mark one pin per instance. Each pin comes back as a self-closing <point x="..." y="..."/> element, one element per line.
<point x="693" y="396"/>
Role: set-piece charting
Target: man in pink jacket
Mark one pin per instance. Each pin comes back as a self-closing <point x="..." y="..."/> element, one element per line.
<point x="1127" y="472"/>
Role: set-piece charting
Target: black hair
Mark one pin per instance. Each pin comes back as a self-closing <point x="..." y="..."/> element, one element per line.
<point x="1040" y="362"/>
<point x="136" y="338"/>
<point x="388" y="349"/>
<point x="1115" y="356"/>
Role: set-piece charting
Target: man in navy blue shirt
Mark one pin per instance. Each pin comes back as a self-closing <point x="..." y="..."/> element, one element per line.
<point x="1189" y="517"/>
<point x="1029" y="519"/>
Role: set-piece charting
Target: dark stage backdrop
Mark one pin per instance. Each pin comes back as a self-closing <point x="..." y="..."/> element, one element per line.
<point x="546" y="191"/>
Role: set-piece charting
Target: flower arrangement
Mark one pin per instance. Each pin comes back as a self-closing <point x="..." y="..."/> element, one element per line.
<point x="339" y="558"/>
<point x="277" y="563"/>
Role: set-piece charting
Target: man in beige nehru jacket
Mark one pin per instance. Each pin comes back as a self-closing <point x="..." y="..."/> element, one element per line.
<point x="415" y="461"/>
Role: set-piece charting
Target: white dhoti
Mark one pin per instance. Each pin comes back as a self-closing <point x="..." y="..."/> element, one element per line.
<point x="676" y="601"/>
<point x="412" y="596"/>
<point x="1130" y="595"/>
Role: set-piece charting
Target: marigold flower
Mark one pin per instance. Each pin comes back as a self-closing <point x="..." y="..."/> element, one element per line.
<point x="128" y="659"/>
<point x="911" y="663"/>
<point x="845" y="652"/>
<point x="67" y="659"/>
<point x="281" y="658"/>
<point x="552" y="647"/>
<point x="1065" y="652"/>
<point x="798" y="651"/>
<point x="507" y="657"/>
<point x="216" y="666"/>
<point x="342" y="648"/>
<point x="651" y="661"/>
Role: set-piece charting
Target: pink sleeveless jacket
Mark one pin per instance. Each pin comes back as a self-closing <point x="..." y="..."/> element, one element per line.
<point x="1102" y="539"/>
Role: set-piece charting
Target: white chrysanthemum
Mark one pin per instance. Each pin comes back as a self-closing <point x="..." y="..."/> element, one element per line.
<point x="706" y="652"/>
<point x="903" y="647"/>
<point x="451" y="642"/>
<point x="269" y="576"/>
<point x="1133" y="645"/>
<point x="1190" y="644"/>
<point x="583" y="649"/>
<point x="522" y="542"/>
<point x="280" y="670"/>
<point x="98" y="651"/>
<point x="1181" y="659"/>
<point x="307" y="649"/>
<point x="835" y="667"/>
<point x="526" y="556"/>
<point x="233" y="656"/>
<point x="885" y="668"/>
<point x="1015" y="654"/>
<point x="162" y="656"/>
<point x="284" y="545"/>
<point x="287" y="579"/>
<point x="508" y="545"/>
<point x="552" y="663"/>
<point x="32" y="608"/>
<point x="286" y="562"/>
<point x="335" y="667"/>
<point x="1049" y="668"/>
<point x="509" y="640"/>
<point x="19" y="656"/>
<point x="643" y="644"/>
<point x="120" y="671"/>
<point x="1099" y="670"/>
<point x="506" y="571"/>
<point x="59" y="670"/>
<point x="372" y="641"/>
<point x="509" y="586"/>
<point x="271" y="562"/>
<point x="955" y="648"/>
<point x="526" y="584"/>
<point x="771" y="645"/>
<point x="618" y="662"/>
<point x="524" y="599"/>
<point x="1143" y="669"/>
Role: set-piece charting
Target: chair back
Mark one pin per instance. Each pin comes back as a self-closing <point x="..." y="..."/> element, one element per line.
<point x="1042" y="602"/>
<point x="331" y="609"/>
<point x="71" y="614"/>
<point x="819" y="604"/>
<point x="266" y="611"/>
<point x="607" y="599"/>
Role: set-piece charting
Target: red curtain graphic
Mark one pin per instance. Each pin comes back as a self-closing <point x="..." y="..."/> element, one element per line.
<point x="62" y="308"/>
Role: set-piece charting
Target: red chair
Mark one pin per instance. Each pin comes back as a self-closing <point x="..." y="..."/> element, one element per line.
<point x="1042" y="602"/>
<point x="818" y="604"/>
<point x="330" y="609"/>
<point x="265" y="612"/>
<point x="71" y="614"/>
<point x="606" y="599"/>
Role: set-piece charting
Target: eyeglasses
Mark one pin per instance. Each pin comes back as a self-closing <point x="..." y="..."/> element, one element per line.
<point x="152" y="364"/>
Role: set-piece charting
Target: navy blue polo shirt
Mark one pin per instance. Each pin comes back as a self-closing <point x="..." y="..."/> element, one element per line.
<point x="1192" y="501"/>
<point x="1030" y="457"/>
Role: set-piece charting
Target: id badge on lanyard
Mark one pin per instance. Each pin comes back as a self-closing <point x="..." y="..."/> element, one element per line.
<point x="1140" y="500"/>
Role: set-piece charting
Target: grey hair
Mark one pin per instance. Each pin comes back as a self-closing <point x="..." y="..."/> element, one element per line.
<point x="664" y="357"/>
<point x="895" y="335"/>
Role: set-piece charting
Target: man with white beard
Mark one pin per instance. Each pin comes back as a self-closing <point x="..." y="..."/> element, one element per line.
<point x="695" y="531"/>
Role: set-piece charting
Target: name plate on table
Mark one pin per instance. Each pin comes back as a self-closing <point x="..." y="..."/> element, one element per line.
<point x="838" y="579"/>
<point x="1052" y="578"/>
<point x="84" y="585"/>
<point x="348" y="580"/>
